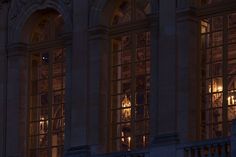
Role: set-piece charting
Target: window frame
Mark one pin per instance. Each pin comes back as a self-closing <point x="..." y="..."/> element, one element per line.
<point x="132" y="28"/>
<point x="212" y="11"/>
<point x="54" y="43"/>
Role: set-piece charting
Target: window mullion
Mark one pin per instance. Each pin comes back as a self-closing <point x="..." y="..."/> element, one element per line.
<point x="133" y="89"/>
<point x="29" y="57"/>
<point x="50" y="90"/>
<point x="225" y="77"/>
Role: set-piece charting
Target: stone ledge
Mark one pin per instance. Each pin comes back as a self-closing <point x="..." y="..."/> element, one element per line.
<point x="165" y="139"/>
<point x="79" y="151"/>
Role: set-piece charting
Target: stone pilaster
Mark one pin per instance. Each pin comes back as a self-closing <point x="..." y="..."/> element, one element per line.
<point x="188" y="73"/>
<point x="98" y="88"/>
<point x="16" y="100"/>
<point x="3" y="67"/>
<point x="167" y="54"/>
<point x="78" y="80"/>
<point x="166" y="137"/>
<point x="3" y="77"/>
<point x="154" y="27"/>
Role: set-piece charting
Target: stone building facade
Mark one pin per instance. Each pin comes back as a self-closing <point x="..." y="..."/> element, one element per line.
<point x="123" y="78"/>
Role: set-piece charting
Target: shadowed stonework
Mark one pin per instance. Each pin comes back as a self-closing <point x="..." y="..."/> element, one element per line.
<point x="117" y="78"/>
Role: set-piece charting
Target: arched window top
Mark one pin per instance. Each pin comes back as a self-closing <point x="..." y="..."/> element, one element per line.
<point x="48" y="27"/>
<point x="130" y="10"/>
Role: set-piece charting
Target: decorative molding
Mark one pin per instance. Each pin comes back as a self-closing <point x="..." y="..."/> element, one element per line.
<point x="18" y="5"/>
<point x="188" y="14"/>
<point x="17" y="49"/>
<point x="98" y="32"/>
<point x="67" y="38"/>
<point x="21" y="10"/>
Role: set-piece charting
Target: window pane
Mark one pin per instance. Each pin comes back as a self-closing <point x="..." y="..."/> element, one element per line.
<point x="232" y="35"/>
<point x="217" y="38"/>
<point x="46" y="106"/>
<point x="130" y="85"/>
<point x="232" y="51"/>
<point x="231" y="67"/>
<point x="217" y="54"/>
<point x="57" y="152"/>
<point x="217" y="23"/>
<point x="217" y="69"/>
<point x="232" y="20"/>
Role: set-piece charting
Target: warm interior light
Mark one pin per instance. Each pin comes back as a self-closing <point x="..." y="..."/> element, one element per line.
<point x="216" y="87"/>
<point x="122" y="135"/>
<point x="231" y="100"/>
<point x="43" y="125"/>
<point x="219" y="88"/>
<point x="129" y="142"/>
<point x="144" y="139"/>
<point x="126" y="111"/>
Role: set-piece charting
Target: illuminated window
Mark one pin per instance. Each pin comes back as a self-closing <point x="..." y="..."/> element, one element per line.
<point x="218" y="45"/>
<point x="47" y="90"/>
<point x="130" y="76"/>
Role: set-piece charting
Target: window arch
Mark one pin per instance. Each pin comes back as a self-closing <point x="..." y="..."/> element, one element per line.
<point x="130" y="76"/>
<point x="47" y="87"/>
<point x="218" y="45"/>
<point x="125" y="9"/>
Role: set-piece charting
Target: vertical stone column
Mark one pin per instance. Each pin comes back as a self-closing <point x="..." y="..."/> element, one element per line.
<point x="166" y="136"/>
<point x="16" y="100"/>
<point x="79" y="81"/>
<point x="167" y="72"/>
<point x="3" y="77"/>
<point x="154" y="28"/>
<point x="98" y="88"/>
<point x="188" y="72"/>
<point x="3" y="67"/>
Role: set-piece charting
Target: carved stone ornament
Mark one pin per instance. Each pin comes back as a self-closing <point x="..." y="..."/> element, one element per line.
<point x="18" y="5"/>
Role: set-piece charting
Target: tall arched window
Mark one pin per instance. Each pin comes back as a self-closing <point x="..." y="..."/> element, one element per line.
<point x="130" y="76"/>
<point x="47" y="87"/>
<point x="218" y="45"/>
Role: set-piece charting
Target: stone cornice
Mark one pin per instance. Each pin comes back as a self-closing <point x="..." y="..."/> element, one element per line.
<point x="79" y="150"/>
<point x="67" y="38"/>
<point x="17" y="49"/>
<point x="188" y="14"/>
<point x="227" y="6"/>
<point x="98" y="32"/>
<point x="165" y="139"/>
